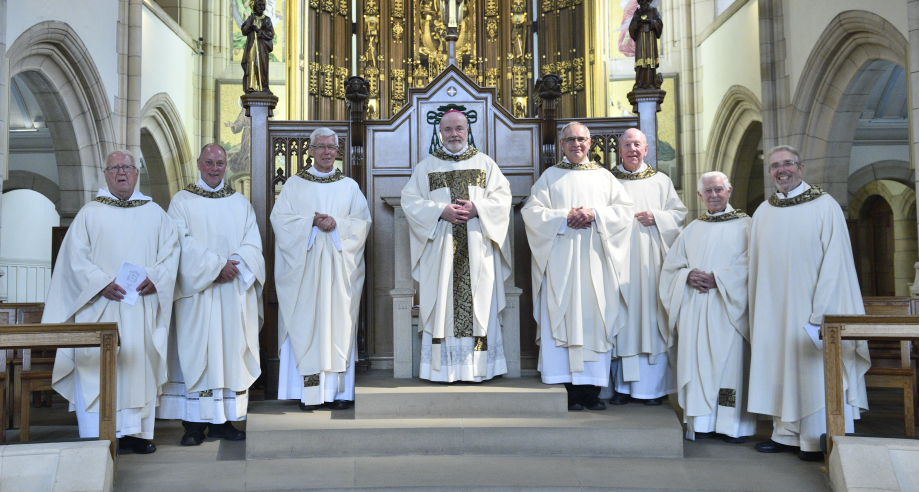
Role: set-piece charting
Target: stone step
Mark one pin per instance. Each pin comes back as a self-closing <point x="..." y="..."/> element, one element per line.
<point x="280" y="430"/>
<point x="379" y="396"/>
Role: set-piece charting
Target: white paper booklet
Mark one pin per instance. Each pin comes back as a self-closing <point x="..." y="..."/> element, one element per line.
<point x="128" y="278"/>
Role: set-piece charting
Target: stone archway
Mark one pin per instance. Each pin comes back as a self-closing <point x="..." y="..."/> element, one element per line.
<point x="56" y="66"/>
<point x="733" y="145"/>
<point x="832" y="91"/>
<point x="902" y="201"/>
<point x="166" y="150"/>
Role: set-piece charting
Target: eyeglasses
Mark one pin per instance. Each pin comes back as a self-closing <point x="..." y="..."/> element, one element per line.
<point x="322" y="148"/>
<point x="120" y="169"/>
<point x="775" y="166"/>
<point x="571" y="140"/>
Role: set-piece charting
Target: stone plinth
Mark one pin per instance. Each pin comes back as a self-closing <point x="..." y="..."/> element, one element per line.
<point x="871" y="464"/>
<point x="647" y="103"/>
<point x="58" y="467"/>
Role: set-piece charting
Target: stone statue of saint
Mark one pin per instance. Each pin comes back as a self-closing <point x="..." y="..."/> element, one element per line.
<point x="259" y="42"/>
<point x="645" y="29"/>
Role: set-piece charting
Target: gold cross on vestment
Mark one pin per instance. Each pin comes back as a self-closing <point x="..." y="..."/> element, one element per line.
<point x="459" y="182"/>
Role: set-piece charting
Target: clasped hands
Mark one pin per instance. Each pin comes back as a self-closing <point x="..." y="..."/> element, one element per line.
<point x="580" y="217"/>
<point x="701" y="281"/>
<point x="646" y="218"/>
<point x="115" y="292"/>
<point x="324" y="222"/>
<point x="460" y="212"/>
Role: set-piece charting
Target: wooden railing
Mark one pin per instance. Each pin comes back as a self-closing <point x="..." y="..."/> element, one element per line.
<point x="838" y="328"/>
<point x="76" y="335"/>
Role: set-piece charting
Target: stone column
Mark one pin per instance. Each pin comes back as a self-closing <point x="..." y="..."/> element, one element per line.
<point x="135" y="21"/>
<point x="912" y="9"/>
<point x="402" y="295"/>
<point x="510" y="318"/>
<point x="259" y="107"/>
<point x="647" y="103"/>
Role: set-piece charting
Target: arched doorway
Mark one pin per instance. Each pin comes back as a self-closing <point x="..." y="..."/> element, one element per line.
<point x="876" y="247"/>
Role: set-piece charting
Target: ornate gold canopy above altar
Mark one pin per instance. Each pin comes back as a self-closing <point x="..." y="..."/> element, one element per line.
<point x="399" y="44"/>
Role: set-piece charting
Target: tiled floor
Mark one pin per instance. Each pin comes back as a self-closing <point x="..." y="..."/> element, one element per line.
<point x="707" y="465"/>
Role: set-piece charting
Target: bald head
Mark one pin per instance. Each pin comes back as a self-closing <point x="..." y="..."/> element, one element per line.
<point x="633" y="147"/>
<point x="212" y="163"/>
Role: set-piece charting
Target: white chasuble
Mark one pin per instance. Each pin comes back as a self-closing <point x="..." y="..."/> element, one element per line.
<point x="217" y="324"/>
<point x="319" y="275"/>
<point x="710" y="330"/>
<point x="105" y="233"/>
<point x="574" y="271"/>
<point x="645" y="330"/>
<point x="461" y="268"/>
<point x="801" y="269"/>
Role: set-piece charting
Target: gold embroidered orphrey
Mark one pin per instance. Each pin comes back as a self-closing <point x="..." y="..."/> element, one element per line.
<point x="444" y="156"/>
<point x="120" y="203"/>
<point x="481" y="343"/>
<point x="311" y="380"/>
<point x="727" y="397"/>
<point x="224" y="192"/>
<point x="584" y="166"/>
<point x="459" y="182"/>
<point x="336" y="176"/>
<point x="647" y="173"/>
<point x="812" y="194"/>
<point x="734" y="214"/>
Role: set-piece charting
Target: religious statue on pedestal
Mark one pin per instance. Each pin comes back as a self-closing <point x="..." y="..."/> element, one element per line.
<point x="645" y="29"/>
<point x="259" y="42"/>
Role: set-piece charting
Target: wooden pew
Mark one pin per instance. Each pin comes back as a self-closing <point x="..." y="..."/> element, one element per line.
<point x="77" y="335"/>
<point x="838" y="328"/>
<point x="892" y="363"/>
<point x="12" y="362"/>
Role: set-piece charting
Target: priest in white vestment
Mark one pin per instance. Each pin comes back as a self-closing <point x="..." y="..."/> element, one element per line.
<point x="641" y="362"/>
<point x="703" y="287"/>
<point x="578" y="219"/>
<point x="321" y="221"/>
<point x="213" y="351"/>
<point x="458" y="205"/>
<point x="120" y="225"/>
<point x="801" y="269"/>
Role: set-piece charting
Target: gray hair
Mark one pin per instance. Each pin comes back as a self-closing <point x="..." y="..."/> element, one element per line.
<point x="786" y="148"/>
<point x="712" y="174"/>
<point x="124" y="152"/>
<point x="322" y="132"/>
<point x="561" y="133"/>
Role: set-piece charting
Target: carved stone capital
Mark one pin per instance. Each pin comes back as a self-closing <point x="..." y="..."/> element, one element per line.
<point x="259" y="99"/>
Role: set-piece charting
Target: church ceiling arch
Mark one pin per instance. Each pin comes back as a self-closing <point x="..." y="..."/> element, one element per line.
<point x="833" y="90"/>
<point x="58" y="69"/>
<point x="171" y="163"/>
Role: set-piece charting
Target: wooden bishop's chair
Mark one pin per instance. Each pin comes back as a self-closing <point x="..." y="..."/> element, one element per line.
<point x="893" y="364"/>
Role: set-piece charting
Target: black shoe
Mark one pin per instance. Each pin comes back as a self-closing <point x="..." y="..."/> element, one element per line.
<point x="225" y="431"/>
<point x="192" y="438"/>
<point x="810" y="455"/>
<point x="735" y="440"/>
<point x="594" y="403"/>
<point x="136" y="444"/>
<point x="307" y="408"/>
<point x="620" y="399"/>
<point x="772" y="447"/>
<point x="339" y="404"/>
<point x="575" y="407"/>
<point x="704" y="435"/>
<point x="653" y="402"/>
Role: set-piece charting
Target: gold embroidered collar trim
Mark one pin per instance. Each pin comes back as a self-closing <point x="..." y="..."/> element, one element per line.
<point x="584" y="166"/>
<point x="442" y="155"/>
<point x="336" y="176"/>
<point x="120" y="203"/>
<point x="812" y="194"/>
<point x="647" y="173"/>
<point x="224" y="192"/>
<point x="734" y="214"/>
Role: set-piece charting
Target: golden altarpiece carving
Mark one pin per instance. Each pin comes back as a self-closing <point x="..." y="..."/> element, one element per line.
<point x="399" y="44"/>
